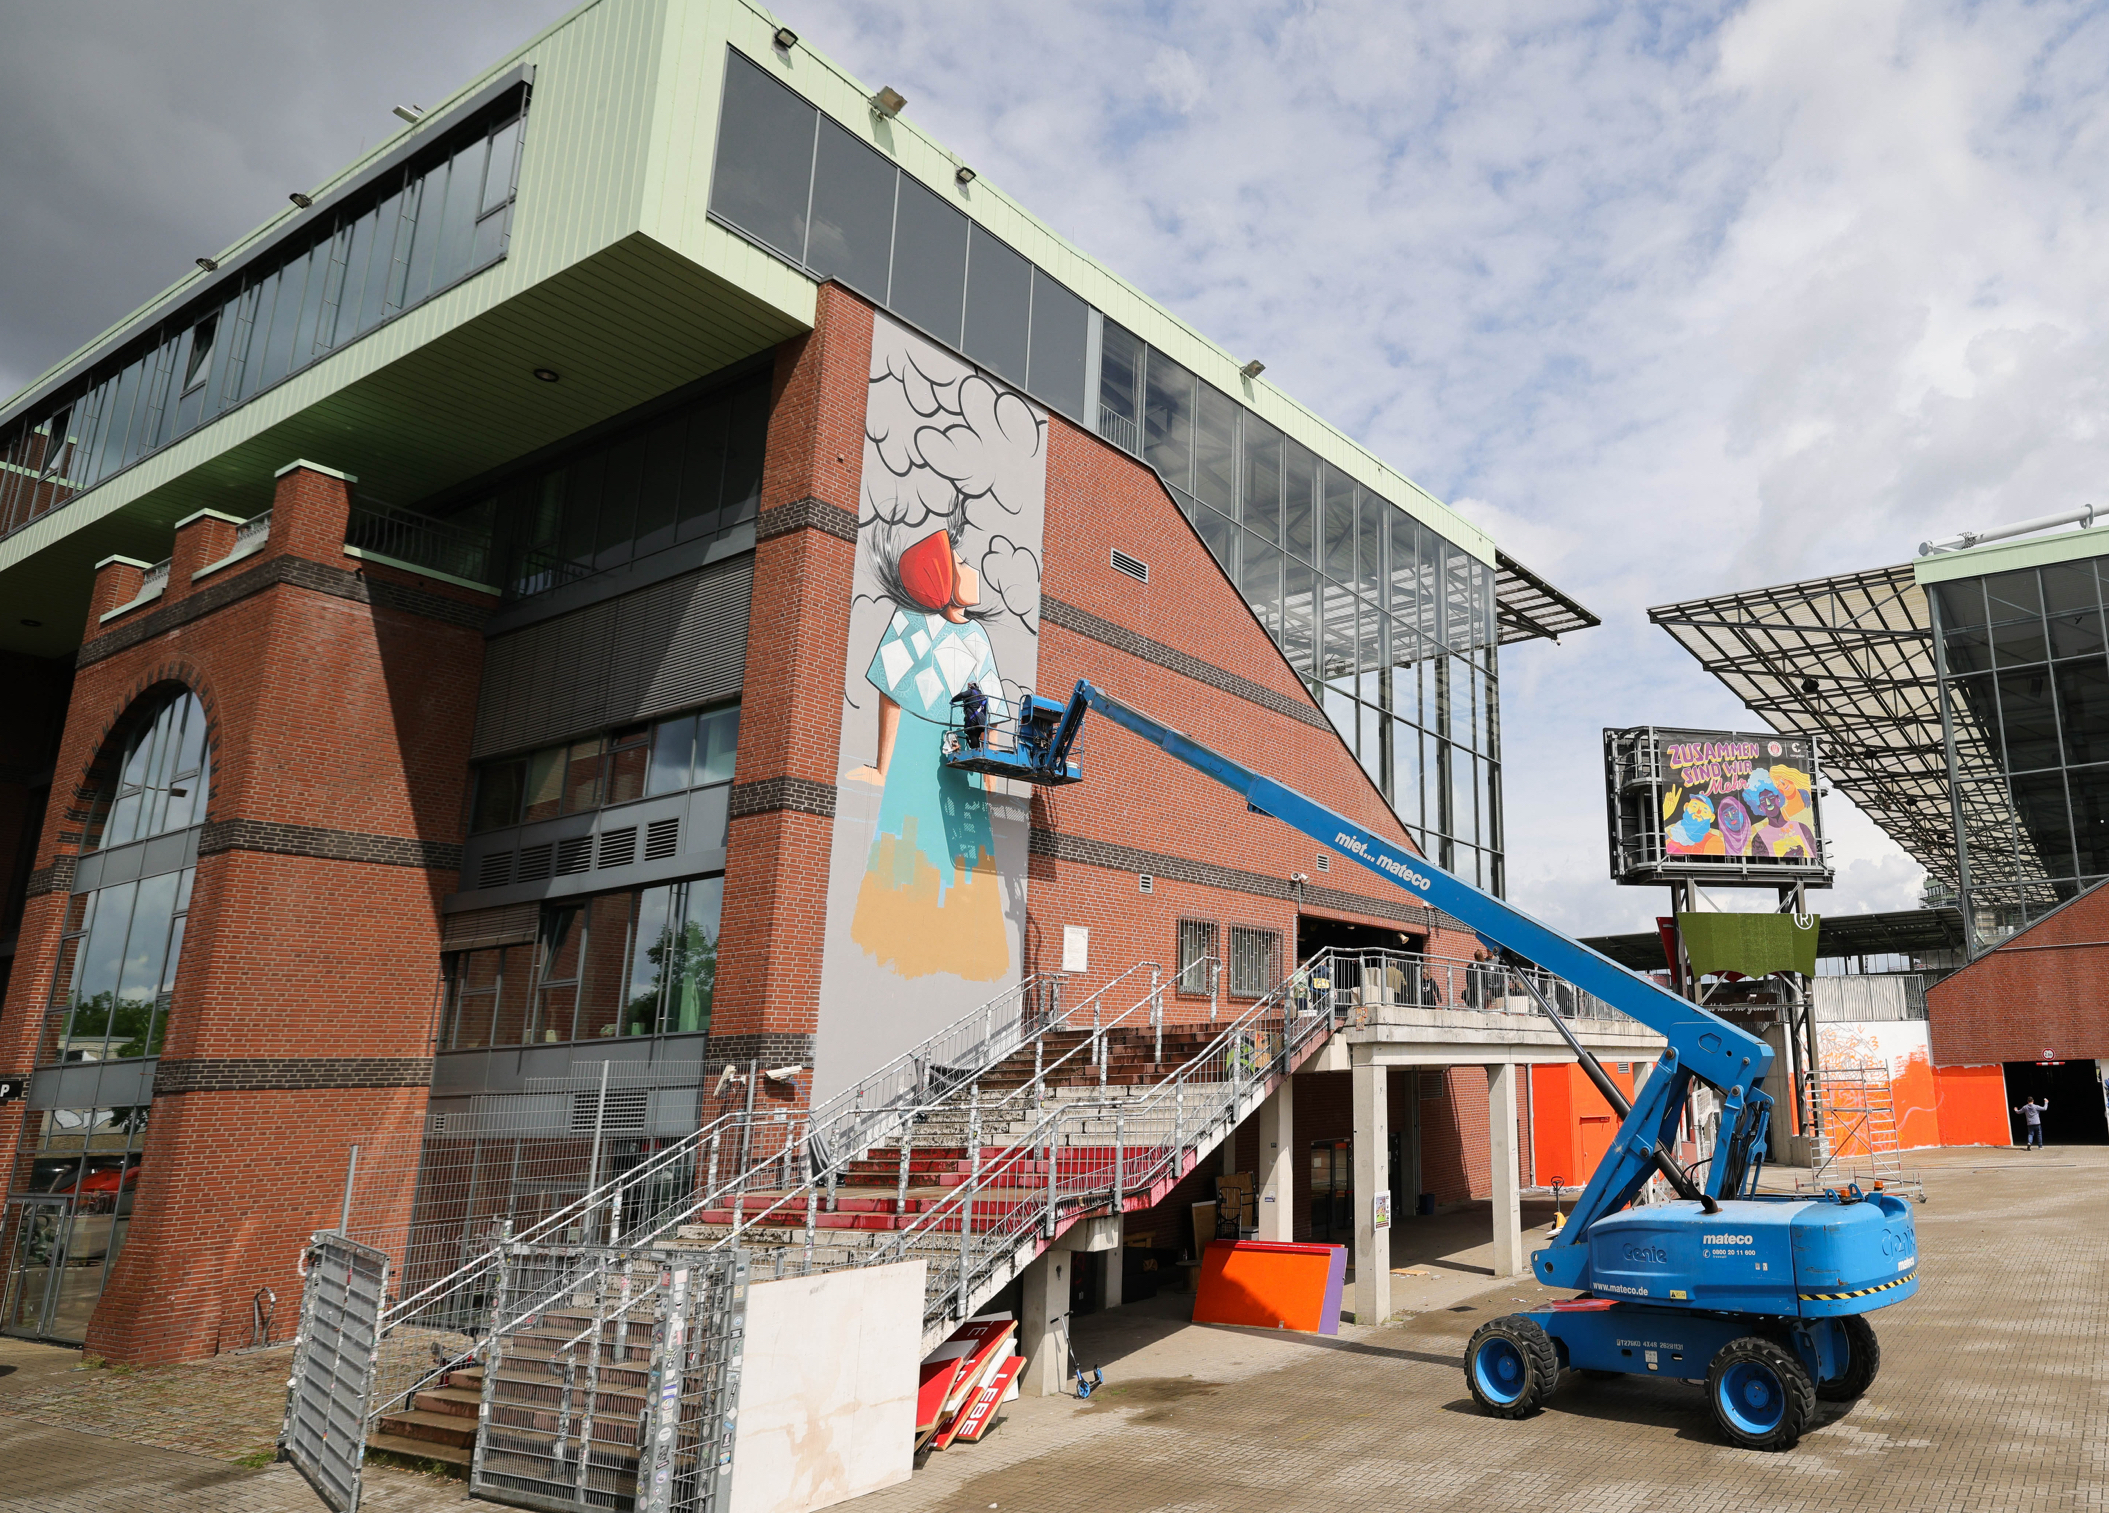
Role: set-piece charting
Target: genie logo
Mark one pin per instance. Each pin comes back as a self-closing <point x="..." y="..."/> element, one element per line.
<point x="1383" y="861"/>
<point x="1645" y="1252"/>
<point x="1728" y="1239"/>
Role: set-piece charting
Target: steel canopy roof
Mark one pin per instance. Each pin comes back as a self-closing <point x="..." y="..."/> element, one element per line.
<point x="1849" y="659"/>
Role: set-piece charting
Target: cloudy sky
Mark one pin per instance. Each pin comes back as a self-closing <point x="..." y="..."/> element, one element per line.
<point x="1674" y="299"/>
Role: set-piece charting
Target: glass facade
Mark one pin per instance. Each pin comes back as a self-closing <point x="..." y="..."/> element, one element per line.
<point x="1391" y="627"/>
<point x="118" y="956"/>
<point x="684" y="751"/>
<point x="330" y="278"/>
<point x="67" y="1224"/>
<point x="2025" y="699"/>
<point x="686" y="473"/>
<point x="639" y="962"/>
<point x="819" y="197"/>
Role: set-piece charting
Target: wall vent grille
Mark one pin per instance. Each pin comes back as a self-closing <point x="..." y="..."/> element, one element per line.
<point x="574" y="855"/>
<point x="618" y="848"/>
<point x="534" y="862"/>
<point x="1134" y="567"/>
<point x="662" y="839"/>
<point x="496" y="871"/>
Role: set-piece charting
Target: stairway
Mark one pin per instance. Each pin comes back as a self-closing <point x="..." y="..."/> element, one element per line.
<point x="440" y="1423"/>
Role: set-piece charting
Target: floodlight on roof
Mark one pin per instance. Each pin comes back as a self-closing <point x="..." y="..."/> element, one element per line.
<point x="303" y="201"/>
<point x="889" y="101"/>
<point x="786" y="38"/>
<point x="411" y="113"/>
<point x="209" y="264"/>
<point x="1253" y="369"/>
<point x="964" y="174"/>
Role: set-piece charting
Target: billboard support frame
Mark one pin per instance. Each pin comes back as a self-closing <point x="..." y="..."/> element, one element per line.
<point x="1639" y="777"/>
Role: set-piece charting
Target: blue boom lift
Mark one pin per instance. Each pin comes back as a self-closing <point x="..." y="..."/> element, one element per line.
<point x="1761" y="1297"/>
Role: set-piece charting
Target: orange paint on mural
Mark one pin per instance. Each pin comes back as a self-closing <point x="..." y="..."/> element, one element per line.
<point x="917" y="927"/>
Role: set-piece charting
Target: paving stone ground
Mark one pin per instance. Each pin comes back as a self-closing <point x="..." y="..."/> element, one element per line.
<point x="1994" y="1395"/>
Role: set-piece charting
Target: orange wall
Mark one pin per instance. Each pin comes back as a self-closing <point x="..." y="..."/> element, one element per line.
<point x="1560" y="1097"/>
<point x="1972" y="1106"/>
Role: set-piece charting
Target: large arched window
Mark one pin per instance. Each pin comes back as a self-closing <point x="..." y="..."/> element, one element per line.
<point x="125" y="927"/>
<point x="161" y="779"/>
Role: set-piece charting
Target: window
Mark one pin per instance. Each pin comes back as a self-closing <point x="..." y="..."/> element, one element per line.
<point x="1254" y="958"/>
<point x="999" y="307"/>
<point x="688" y="474"/>
<point x="118" y="961"/>
<point x="641" y="962"/>
<point x="1197" y="958"/>
<point x="683" y="751"/>
<point x="929" y="262"/>
<point x="852" y="234"/>
<point x="331" y="276"/>
<point x="163" y="779"/>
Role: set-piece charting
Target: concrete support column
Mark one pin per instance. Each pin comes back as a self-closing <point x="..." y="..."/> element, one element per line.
<point x="1110" y="1279"/>
<point x="1277" y="1173"/>
<point x="1372" y="1176"/>
<point x="1043" y="1324"/>
<point x="1509" y="1259"/>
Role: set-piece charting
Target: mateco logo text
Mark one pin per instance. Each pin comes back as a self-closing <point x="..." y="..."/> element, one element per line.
<point x="1728" y="1239"/>
<point x="1384" y="862"/>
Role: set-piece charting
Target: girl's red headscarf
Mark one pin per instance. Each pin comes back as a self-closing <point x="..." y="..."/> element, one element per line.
<point x="929" y="572"/>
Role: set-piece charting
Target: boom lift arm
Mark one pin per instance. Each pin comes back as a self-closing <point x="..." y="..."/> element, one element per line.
<point x="1701" y="1045"/>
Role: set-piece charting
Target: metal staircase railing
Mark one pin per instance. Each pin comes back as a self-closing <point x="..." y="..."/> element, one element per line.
<point x="722" y="1159"/>
<point x="1103" y="1154"/>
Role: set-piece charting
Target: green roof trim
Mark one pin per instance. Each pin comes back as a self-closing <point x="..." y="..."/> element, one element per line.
<point x="2006" y="556"/>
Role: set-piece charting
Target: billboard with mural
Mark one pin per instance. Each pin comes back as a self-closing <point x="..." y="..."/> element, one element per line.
<point x="1721" y="805"/>
<point x="1738" y="796"/>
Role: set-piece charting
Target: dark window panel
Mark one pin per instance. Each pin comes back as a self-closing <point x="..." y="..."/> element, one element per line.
<point x="351" y="301"/>
<point x="582" y="486"/>
<point x="499" y="172"/>
<point x="2090" y="818"/>
<point x="380" y="264"/>
<point x="703" y="472"/>
<point x="1168" y="421"/>
<point x="852" y="233"/>
<point x="1299" y="499"/>
<point x="499" y="787"/>
<point x="457" y="231"/>
<point x="1338" y="528"/>
<point x="2016" y="603"/>
<point x="425" y="206"/>
<point x="1061" y="335"/>
<point x="2083" y="709"/>
<point x="1119" y="385"/>
<point x="1260" y="580"/>
<point x="1299" y="616"/>
<point x="747" y="437"/>
<point x="1369" y="551"/>
<point x="1215" y="449"/>
<point x="2071" y="610"/>
<point x="659" y="498"/>
<point x="1973" y="705"/>
<point x="1221" y="534"/>
<point x="2028" y="718"/>
<point x="1263" y="479"/>
<point x="763" y="179"/>
<point x="999" y="307"/>
<point x="1337" y="640"/>
<point x="2039" y="804"/>
<point x="1375" y="658"/>
<point x="929" y="262"/>
<point x="623" y="474"/>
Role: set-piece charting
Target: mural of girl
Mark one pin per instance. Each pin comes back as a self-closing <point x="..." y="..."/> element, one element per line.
<point x="930" y="899"/>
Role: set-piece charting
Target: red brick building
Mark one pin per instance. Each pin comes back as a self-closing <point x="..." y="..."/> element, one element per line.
<point x="553" y="682"/>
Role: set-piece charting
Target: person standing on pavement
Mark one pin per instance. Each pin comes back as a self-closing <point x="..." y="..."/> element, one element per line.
<point x="2031" y="1114"/>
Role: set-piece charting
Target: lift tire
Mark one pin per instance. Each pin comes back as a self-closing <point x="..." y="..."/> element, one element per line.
<point x="1511" y="1366"/>
<point x="1863" y="1361"/>
<point x="1762" y="1395"/>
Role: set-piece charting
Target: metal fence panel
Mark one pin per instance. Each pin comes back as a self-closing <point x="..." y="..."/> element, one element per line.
<point x="333" y="1367"/>
<point x="611" y="1379"/>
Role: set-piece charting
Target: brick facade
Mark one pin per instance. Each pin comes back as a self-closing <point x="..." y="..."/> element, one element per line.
<point x="340" y="696"/>
<point x="2037" y="996"/>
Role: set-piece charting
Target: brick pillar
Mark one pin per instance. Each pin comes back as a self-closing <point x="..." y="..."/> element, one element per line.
<point x="117" y="582"/>
<point x="201" y="540"/>
<point x="310" y="510"/>
<point x="791" y="706"/>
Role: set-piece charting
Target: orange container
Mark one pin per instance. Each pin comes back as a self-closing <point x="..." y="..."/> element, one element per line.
<point x="1271" y="1285"/>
